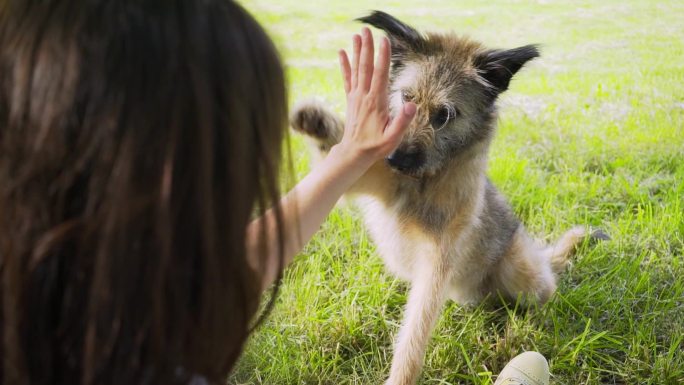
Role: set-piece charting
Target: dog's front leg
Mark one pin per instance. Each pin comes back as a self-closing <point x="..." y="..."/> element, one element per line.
<point x="425" y="301"/>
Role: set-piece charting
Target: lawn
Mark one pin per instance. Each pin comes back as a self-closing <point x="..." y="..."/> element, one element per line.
<point x="590" y="133"/>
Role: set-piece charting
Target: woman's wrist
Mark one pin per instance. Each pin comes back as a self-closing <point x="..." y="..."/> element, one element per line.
<point x="351" y="159"/>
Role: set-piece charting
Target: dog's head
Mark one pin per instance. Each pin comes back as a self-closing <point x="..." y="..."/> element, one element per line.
<point x="454" y="82"/>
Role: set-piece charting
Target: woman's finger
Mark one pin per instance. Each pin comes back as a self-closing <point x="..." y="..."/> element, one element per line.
<point x="396" y="128"/>
<point x="345" y="67"/>
<point x="366" y="61"/>
<point x="356" y="42"/>
<point x="381" y="74"/>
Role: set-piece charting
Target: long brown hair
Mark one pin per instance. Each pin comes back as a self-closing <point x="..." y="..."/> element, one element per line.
<point x="137" y="137"/>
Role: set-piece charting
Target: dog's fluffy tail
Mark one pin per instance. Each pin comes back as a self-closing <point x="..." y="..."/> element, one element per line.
<point x="560" y="252"/>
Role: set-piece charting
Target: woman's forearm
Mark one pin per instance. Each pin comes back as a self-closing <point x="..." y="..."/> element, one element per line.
<point x="369" y="136"/>
<point x="304" y="209"/>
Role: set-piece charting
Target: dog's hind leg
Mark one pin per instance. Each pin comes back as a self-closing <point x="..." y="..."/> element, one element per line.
<point x="426" y="298"/>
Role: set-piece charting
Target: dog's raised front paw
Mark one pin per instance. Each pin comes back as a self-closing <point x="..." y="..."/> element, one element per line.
<point x="314" y="119"/>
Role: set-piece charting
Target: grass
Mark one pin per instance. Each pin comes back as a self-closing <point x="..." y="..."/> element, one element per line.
<point x="590" y="133"/>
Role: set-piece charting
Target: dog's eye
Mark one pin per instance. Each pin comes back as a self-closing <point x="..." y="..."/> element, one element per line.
<point x="442" y="117"/>
<point x="406" y="96"/>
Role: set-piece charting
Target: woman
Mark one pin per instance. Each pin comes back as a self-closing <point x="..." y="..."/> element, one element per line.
<point x="138" y="140"/>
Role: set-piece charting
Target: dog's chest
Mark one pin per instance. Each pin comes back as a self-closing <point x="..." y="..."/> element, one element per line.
<point x="402" y="242"/>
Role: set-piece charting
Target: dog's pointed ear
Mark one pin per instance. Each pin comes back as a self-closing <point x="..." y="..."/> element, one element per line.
<point x="497" y="67"/>
<point x="403" y="38"/>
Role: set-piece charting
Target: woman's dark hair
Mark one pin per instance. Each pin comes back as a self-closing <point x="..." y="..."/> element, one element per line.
<point x="137" y="139"/>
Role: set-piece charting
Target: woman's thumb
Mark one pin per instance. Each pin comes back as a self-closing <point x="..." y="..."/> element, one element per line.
<point x="401" y="122"/>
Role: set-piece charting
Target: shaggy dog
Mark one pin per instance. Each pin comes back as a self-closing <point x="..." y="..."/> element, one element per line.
<point x="436" y="218"/>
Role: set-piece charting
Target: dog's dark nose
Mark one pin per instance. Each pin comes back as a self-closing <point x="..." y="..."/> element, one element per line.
<point x="406" y="159"/>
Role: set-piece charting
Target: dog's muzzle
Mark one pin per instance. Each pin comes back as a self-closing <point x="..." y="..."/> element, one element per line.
<point x="406" y="159"/>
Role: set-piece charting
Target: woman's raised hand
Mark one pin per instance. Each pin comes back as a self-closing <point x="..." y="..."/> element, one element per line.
<point x="369" y="132"/>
